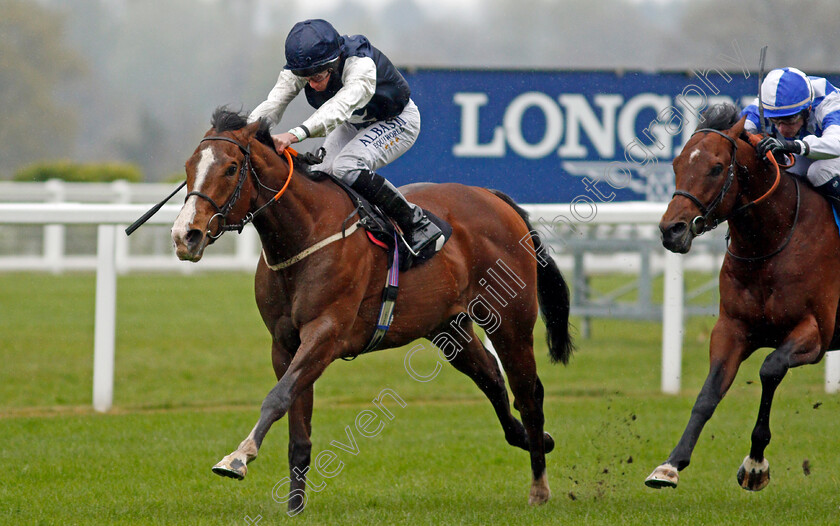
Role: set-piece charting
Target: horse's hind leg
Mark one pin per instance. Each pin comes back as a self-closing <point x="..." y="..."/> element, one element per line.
<point x="803" y="347"/>
<point x="475" y="361"/>
<point x="516" y="352"/>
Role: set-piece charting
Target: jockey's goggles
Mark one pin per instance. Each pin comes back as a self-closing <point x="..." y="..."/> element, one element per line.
<point x="318" y="77"/>
<point x="789" y="120"/>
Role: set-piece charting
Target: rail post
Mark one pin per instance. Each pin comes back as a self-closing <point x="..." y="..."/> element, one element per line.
<point x="105" y="325"/>
<point x="672" y="324"/>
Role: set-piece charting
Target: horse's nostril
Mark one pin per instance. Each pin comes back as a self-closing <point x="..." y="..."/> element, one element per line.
<point x="676" y="237"/>
<point x="673" y="230"/>
<point x="679" y="229"/>
<point x="193" y="237"/>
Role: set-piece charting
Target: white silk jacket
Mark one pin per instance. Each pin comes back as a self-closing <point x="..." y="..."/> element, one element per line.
<point x="359" y="85"/>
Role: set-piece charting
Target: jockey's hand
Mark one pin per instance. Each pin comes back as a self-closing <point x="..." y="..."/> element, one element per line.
<point x="283" y="141"/>
<point x="780" y="147"/>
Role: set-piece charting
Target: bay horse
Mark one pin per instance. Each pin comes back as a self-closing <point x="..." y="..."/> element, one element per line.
<point x="322" y="301"/>
<point x="779" y="282"/>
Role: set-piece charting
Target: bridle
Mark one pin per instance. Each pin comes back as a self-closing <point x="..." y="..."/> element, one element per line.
<point x="245" y="168"/>
<point x="701" y="224"/>
<point x="222" y="211"/>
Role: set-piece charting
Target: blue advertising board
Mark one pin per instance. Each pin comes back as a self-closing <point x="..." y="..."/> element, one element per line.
<point x="549" y="136"/>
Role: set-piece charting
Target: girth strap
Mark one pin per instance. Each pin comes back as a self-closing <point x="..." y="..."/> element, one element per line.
<point x="389" y="299"/>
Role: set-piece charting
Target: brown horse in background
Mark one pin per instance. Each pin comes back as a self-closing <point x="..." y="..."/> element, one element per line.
<point x="325" y="305"/>
<point x="779" y="283"/>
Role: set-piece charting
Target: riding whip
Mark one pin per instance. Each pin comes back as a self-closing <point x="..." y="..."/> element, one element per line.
<point x="152" y="211"/>
<point x="760" y="80"/>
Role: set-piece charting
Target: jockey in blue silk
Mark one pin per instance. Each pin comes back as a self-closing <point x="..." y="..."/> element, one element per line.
<point x="363" y="108"/>
<point x="802" y="118"/>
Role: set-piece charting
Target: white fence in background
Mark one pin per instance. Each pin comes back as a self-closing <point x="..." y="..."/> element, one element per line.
<point x="113" y="256"/>
<point x="48" y="248"/>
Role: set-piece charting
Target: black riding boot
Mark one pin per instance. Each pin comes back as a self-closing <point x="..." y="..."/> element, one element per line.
<point x="418" y="230"/>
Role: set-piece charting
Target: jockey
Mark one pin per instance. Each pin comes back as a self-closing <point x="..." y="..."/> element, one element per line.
<point x="804" y="120"/>
<point x="362" y="108"/>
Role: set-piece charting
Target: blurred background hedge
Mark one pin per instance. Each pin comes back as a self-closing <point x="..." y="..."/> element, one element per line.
<point x="80" y="172"/>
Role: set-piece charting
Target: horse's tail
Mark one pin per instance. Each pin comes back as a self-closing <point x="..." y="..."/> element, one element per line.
<point x="552" y="292"/>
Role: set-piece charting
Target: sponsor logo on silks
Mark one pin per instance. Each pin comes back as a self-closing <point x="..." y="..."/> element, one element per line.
<point x="383" y="133"/>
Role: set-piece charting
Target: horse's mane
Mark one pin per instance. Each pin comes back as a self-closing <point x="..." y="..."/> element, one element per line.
<point x="226" y="120"/>
<point x="719" y="117"/>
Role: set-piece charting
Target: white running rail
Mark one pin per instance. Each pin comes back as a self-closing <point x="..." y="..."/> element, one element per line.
<point x="112" y="218"/>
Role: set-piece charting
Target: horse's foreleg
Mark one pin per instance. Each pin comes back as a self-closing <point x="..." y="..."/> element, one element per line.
<point x="300" y="431"/>
<point x="726" y="354"/>
<point x="310" y="360"/>
<point x="300" y="449"/>
<point x="235" y="464"/>
<point x="802" y="347"/>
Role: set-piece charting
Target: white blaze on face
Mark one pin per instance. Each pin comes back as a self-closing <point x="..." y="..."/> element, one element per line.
<point x="188" y="211"/>
<point x="694" y="155"/>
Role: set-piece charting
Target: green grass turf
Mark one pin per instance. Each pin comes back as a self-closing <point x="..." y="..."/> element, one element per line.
<point x="193" y="366"/>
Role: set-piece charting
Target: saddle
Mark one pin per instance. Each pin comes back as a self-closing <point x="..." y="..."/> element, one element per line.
<point x="384" y="233"/>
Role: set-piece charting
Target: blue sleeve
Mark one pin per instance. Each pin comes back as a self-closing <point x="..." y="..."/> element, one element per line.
<point x="832" y="119"/>
<point x="753" y="120"/>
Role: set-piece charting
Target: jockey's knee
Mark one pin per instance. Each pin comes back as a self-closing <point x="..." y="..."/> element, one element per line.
<point x="347" y="168"/>
<point x="824" y="172"/>
<point x="825" y="176"/>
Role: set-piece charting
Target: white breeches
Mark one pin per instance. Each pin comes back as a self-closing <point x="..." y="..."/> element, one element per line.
<point x="817" y="172"/>
<point x="350" y="149"/>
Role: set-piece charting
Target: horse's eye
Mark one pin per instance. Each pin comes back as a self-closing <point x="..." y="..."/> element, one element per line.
<point x="716" y="169"/>
<point x="231" y="170"/>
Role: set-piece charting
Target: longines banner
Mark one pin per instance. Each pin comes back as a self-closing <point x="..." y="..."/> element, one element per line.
<point x="549" y="136"/>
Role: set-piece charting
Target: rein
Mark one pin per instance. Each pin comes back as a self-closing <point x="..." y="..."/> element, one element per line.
<point x="782" y="246"/>
<point x="245" y="168"/>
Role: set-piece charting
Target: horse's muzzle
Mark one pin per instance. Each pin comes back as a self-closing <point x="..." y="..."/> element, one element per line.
<point x="189" y="244"/>
<point x="676" y="237"/>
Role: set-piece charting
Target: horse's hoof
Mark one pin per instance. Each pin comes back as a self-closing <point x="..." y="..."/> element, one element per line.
<point x="233" y="468"/>
<point x="540" y="492"/>
<point x="548" y="443"/>
<point x="754" y="476"/>
<point x="664" y="476"/>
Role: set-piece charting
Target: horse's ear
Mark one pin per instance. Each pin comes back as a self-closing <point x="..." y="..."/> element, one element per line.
<point x="251" y="129"/>
<point x="736" y="130"/>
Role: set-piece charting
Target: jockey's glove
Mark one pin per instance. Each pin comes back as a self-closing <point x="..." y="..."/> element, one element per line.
<point x="780" y="147"/>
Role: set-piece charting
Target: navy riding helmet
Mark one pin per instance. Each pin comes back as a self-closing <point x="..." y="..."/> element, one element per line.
<point x="311" y="46"/>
